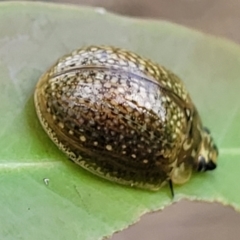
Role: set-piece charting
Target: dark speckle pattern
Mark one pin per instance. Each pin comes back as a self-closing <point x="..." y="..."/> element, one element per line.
<point x="121" y="117"/>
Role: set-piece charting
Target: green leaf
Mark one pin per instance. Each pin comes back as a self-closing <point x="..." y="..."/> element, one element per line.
<point x="44" y="195"/>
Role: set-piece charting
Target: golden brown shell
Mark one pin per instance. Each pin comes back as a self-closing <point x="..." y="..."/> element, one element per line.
<point x="119" y="115"/>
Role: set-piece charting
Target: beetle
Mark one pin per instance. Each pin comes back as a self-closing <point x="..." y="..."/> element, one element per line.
<point x="124" y="118"/>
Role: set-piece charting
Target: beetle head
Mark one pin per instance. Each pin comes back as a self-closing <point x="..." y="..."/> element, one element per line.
<point x="208" y="152"/>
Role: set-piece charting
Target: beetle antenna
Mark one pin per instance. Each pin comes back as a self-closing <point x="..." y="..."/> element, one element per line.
<point x="171" y="187"/>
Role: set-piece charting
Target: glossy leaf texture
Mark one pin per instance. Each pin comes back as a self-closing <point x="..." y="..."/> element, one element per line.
<point x="43" y="195"/>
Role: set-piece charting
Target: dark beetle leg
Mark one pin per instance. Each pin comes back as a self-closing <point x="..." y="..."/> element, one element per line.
<point x="171" y="188"/>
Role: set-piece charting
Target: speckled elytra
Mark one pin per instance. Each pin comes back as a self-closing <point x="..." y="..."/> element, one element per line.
<point x="123" y="118"/>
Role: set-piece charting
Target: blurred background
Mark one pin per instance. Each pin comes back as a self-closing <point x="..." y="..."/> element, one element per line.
<point x="218" y="17"/>
<point x="185" y="220"/>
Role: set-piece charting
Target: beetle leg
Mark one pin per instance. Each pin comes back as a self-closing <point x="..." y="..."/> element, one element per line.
<point x="171" y="188"/>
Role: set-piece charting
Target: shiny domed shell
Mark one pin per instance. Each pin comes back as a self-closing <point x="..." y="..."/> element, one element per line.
<point x="120" y="116"/>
